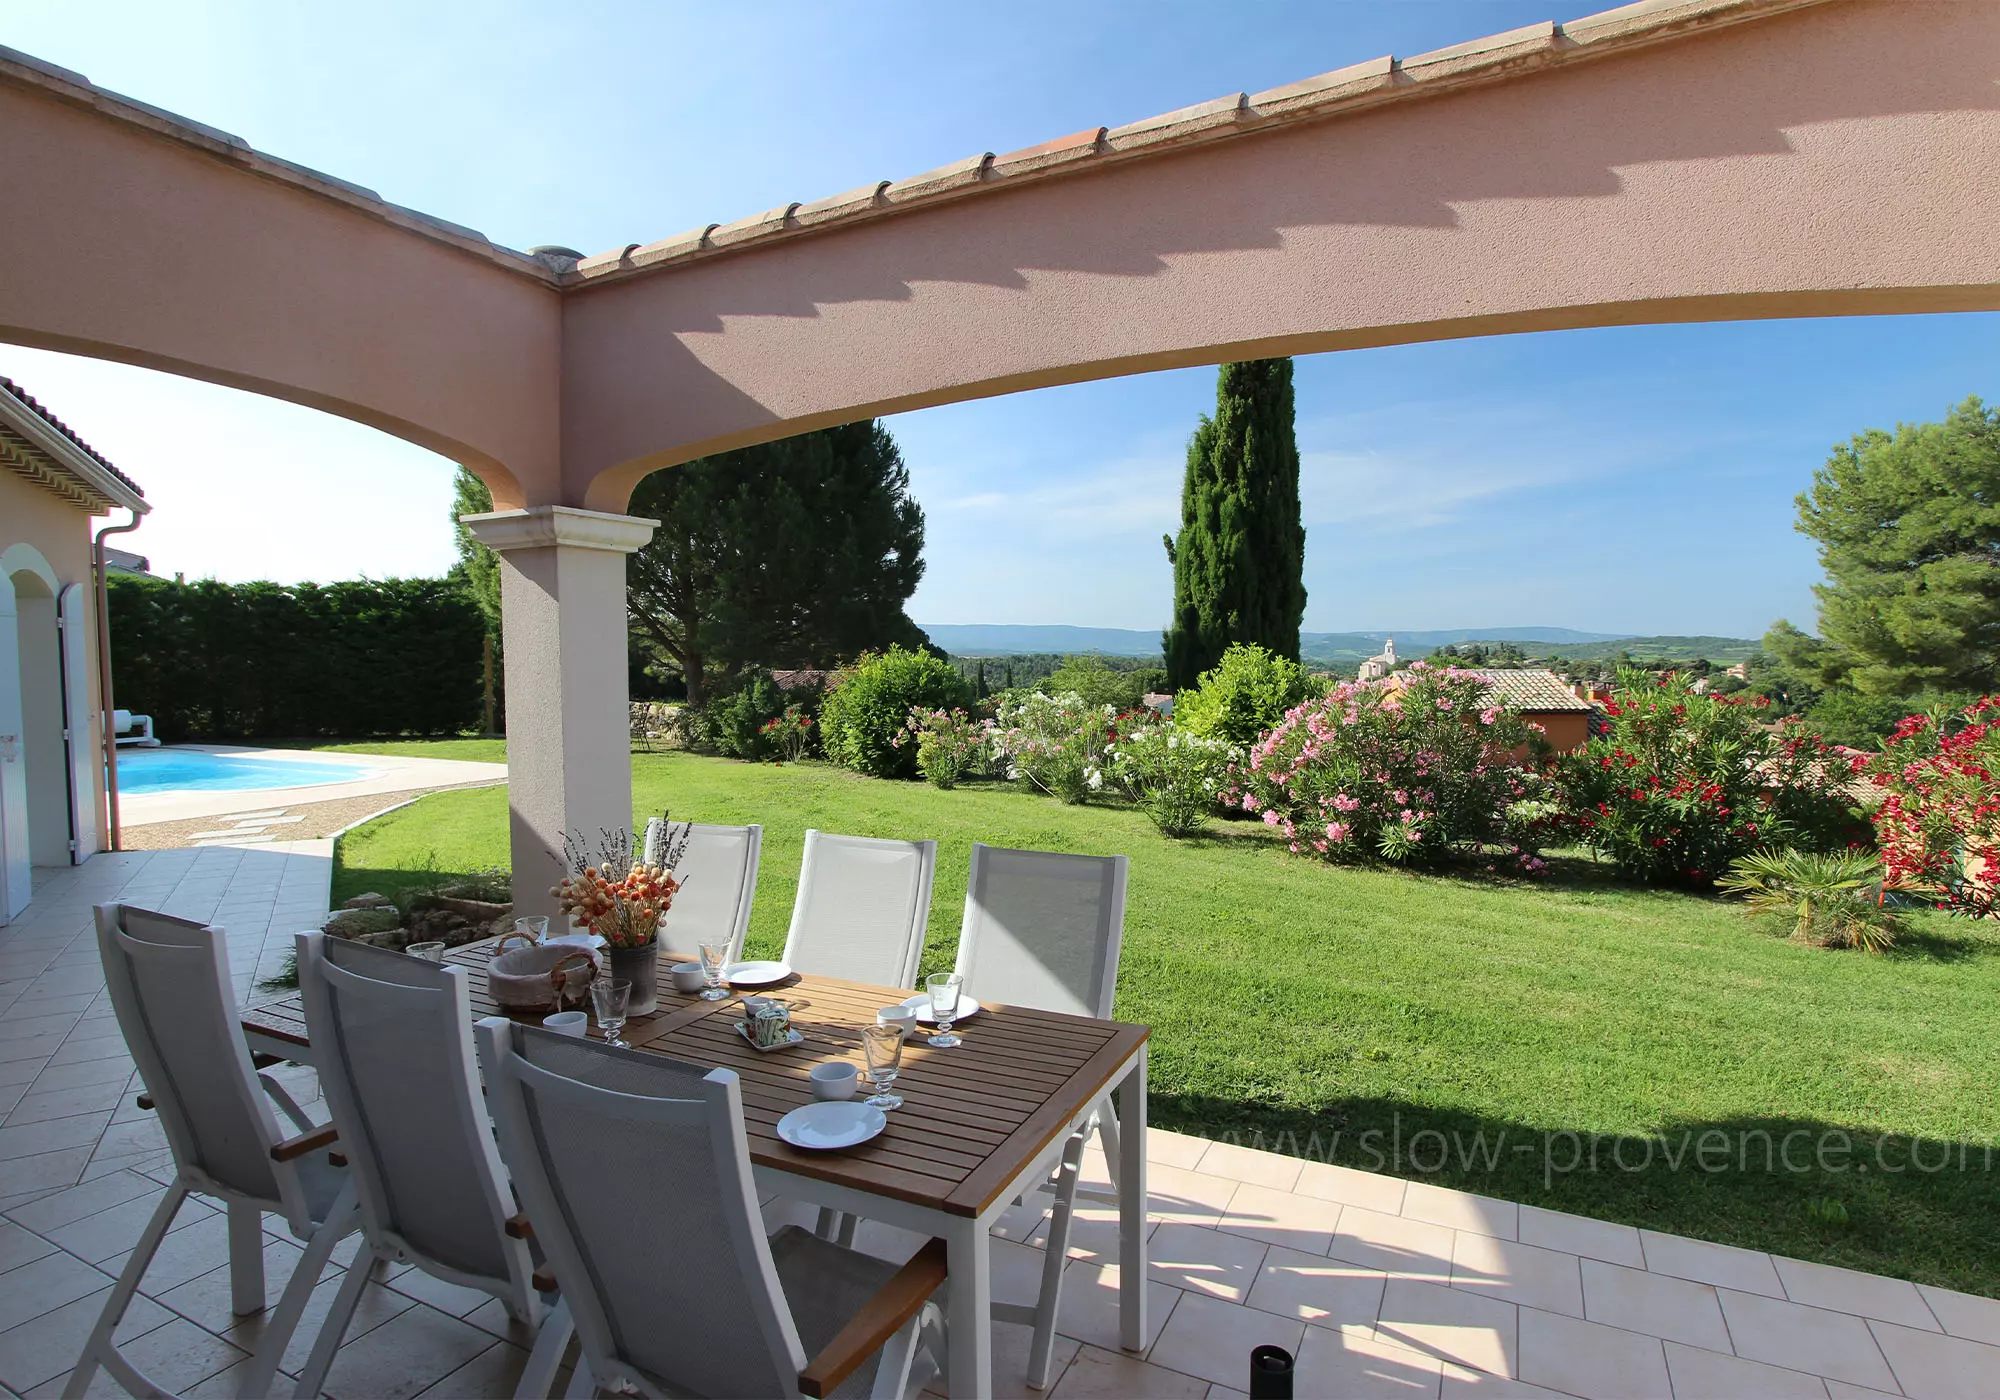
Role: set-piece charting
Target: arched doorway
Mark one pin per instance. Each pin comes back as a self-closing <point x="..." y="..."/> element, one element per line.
<point x="38" y="809"/>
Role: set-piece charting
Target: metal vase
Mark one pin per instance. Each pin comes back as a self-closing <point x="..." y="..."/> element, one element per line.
<point x="640" y="967"/>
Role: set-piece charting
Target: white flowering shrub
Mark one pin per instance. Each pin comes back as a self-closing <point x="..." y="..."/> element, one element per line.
<point x="1174" y="777"/>
<point x="1053" y="742"/>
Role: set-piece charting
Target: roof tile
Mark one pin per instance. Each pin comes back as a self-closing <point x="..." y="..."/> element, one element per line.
<point x="23" y="397"/>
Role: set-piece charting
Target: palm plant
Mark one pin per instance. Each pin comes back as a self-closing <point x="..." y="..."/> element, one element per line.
<point x="1832" y="899"/>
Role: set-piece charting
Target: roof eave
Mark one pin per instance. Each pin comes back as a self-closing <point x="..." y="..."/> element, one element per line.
<point x="69" y="457"/>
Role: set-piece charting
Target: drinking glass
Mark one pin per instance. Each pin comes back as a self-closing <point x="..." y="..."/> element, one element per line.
<point x="535" y="926"/>
<point x="944" y="988"/>
<point x="610" y="999"/>
<point x="714" y="957"/>
<point x="429" y="952"/>
<point x="883" y="1045"/>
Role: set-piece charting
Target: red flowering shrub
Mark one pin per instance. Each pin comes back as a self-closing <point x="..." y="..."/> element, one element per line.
<point x="1682" y="784"/>
<point x="1419" y="772"/>
<point x="1939" y="822"/>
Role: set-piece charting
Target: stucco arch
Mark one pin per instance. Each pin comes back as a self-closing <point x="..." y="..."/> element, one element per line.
<point x="23" y="558"/>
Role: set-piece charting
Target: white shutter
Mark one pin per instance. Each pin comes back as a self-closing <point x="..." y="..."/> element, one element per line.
<point x="80" y="721"/>
<point x="15" y="872"/>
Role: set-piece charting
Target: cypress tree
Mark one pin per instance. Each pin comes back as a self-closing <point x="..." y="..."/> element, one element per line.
<point x="1239" y="563"/>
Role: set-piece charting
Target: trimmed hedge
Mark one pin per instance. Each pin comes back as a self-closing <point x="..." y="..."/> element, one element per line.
<point x="214" y="661"/>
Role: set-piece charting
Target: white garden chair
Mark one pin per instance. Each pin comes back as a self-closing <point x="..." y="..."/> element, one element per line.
<point x="636" y="1171"/>
<point x="718" y="871"/>
<point x="1042" y="930"/>
<point x="168" y="980"/>
<point x="392" y="1036"/>
<point x="862" y="908"/>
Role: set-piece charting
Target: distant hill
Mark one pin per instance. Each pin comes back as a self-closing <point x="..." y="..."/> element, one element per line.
<point x="1333" y="648"/>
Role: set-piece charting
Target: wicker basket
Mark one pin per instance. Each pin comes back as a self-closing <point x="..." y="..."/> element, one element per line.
<point x="533" y="976"/>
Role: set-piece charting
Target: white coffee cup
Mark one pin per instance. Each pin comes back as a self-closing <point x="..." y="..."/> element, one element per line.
<point x="902" y="1017"/>
<point x="835" y="1079"/>
<point x="567" y="1023"/>
<point x="687" y="977"/>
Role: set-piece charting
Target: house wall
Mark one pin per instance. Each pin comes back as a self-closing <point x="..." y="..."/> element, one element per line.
<point x="61" y="532"/>
<point x="1567" y="729"/>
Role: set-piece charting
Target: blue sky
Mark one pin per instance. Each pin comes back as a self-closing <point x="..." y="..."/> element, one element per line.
<point x="1633" y="479"/>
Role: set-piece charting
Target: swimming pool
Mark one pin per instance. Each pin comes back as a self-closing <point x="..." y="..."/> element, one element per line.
<point x="191" y="770"/>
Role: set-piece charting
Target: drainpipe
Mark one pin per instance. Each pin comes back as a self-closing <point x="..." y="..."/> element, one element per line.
<point x="106" y="725"/>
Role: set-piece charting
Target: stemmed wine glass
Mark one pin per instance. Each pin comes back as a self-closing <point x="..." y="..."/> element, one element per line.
<point x="883" y="1046"/>
<point x="534" y="927"/>
<point x="945" y="988"/>
<point x="611" y="998"/>
<point x="714" y="957"/>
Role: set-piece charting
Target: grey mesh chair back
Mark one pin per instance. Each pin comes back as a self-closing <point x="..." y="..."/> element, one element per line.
<point x="392" y="1036"/>
<point x="862" y="908"/>
<point x="718" y="871"/>
<point x="168" y="980"/>
<point x="1043" y="929"/>
<point x="636" y="1171"/>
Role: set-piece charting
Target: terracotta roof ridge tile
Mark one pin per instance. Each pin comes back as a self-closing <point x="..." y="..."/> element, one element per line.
<point x="1493" y="58"/>
<point x="33" y="405"/>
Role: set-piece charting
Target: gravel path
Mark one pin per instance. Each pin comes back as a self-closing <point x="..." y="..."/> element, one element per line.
<point x="316" y="819"/>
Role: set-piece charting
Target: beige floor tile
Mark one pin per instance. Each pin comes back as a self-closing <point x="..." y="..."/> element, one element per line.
<point x="1201" y="1260"/>
<point x="74" y="1203"/>
<point x="45" y="1284"/>
<point x="1800" y="1338"/>
<point x="41" y="1107"/>
<point x="1517" y="1273"/>
<point x="47" y="1346"/>
<point x="1311" y="1288"/>
<point x="207" y="1299"/>
<point x="28" y="1178"/>
<point x="1168" y="1149"/>
<point x="1842" y="1390"/>
<point x="1250" y="1165"/>
<point x="1587" y="1358"/>
<point x="1175" y="1195"/>
<point x="20" y="1246"/>
<point x="1656" y="1304"/>
<point x="1964" y="1314"/>
<point x="1096" y="1374"/>
<point x="1580" y="1235"/>
<point x="34" y="1139"/>
<point x="1939" y="1367"/>
<point x="1223" y="1392"/>
<point x="1352" y="1361"/>
<point x="177" y="1356"/>
<point x="1011" y="1344"/>
<point x="445" y="1297"/>
<point x="1091" y="1305"/>
<point x="1449" y="1324"/>
<point x="111" y="1233"/>
<point x="1282" y="1218"/>
<point x="494" y="1372"/>
<point x="1463" y="1383"/>
<point x="1209" y="1338"/>
<point x="405" y="1355"/>
<point x="1847" y="1290"/>
<point x="1725" y="1266"/>
<point x="1461" y="1210"/>
<point x="377" y="1306"/>
<point x="1369" y="1190"/>
<point x="186" y="1253"/>
<point x="1708" y="1375"/>
<point x="1398" y="1247"/>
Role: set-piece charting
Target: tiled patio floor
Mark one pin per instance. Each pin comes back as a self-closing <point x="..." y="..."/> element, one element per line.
<point x="1380" y="1287"/>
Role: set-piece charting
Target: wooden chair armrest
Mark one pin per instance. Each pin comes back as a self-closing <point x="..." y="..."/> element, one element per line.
<point x="518" y="1228"/>
<point x="323" y="1136"/>
<point x="544" y="1280"/>
<point x="880" y="1318"/>
<point x="338" y="1159"/>
<point x="145" y="1101"/>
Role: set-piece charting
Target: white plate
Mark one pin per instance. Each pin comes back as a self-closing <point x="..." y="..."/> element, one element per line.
<point x="791" y="1039"/>
<point x="968" y="1007"/>
<point x="827" y="1127"/>
<point x="755" y="974"/>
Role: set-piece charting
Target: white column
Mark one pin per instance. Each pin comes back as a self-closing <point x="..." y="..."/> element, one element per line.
<point x="562" y="603"/>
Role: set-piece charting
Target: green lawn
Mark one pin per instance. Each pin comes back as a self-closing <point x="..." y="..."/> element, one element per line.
<point x="1382" y="1019"/>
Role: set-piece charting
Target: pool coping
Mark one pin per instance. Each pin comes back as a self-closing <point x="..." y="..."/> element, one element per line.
<point x="393" y="774"/>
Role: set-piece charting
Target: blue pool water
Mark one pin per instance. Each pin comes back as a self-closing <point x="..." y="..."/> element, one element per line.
<point x="189" y="770"/>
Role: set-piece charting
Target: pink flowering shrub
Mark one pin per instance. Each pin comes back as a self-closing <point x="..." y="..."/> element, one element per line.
<point x="951" y="744"/>
<point x="1939" y="822"/>
<point x="1420" y="771"/>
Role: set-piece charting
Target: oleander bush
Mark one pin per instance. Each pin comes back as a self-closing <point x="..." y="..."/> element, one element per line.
<point x="1174" y="777"/>
<point x="736" y="723"/>
<point x="1684" y="784"/>
<point x="868" y="705"/>
<point x="1052" y="742"/>
<point x="1939" y="818"/>
<point x="1421" y="770"/>
<point x="951" y="745"/>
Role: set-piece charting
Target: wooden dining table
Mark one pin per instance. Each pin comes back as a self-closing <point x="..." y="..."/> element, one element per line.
<point x="979" y="1124"/>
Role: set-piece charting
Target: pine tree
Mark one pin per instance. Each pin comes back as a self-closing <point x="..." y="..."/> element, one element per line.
<point x="1239" y="563"/>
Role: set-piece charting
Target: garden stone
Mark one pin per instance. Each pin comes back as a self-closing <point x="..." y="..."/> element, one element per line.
<point x="367" y="901"/>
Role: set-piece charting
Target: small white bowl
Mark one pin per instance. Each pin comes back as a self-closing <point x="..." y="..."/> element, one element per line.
<point x="903" y="1017"/>
<point x="567" y="1023"/>
<point x="835" y="1079"/>
<point x="687" y="977"/>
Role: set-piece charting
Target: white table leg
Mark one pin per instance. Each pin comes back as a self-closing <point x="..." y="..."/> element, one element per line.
<point x="1132" y="1206"/>
<point x="969" y="1322"/>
